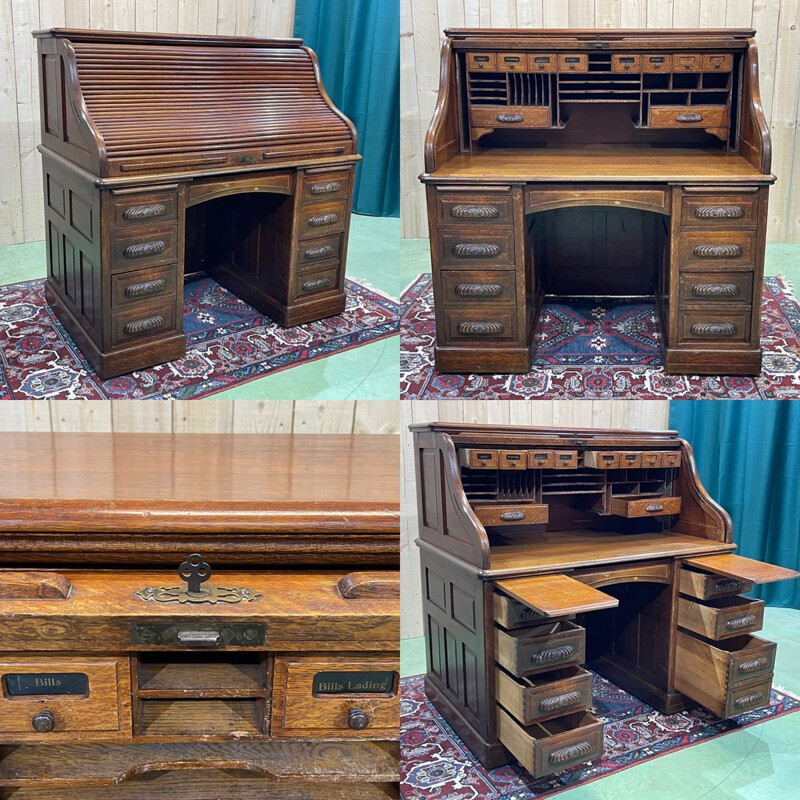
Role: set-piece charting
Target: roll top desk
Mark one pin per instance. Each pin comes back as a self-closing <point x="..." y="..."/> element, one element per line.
<point x="223" y="624"/>
<point x="169" y="155"/>
<point x="581" y="164"/>
<point x="546" y="549"/>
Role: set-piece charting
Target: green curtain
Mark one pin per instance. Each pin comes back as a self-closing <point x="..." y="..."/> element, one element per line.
<point x="358" y="44"/>
<point x="748" y="456"/>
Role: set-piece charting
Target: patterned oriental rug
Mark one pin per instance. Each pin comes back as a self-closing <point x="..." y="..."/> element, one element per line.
<point x="600" y="351"/>
<point x="228" y="343"/>
<point x="437" y="766"/>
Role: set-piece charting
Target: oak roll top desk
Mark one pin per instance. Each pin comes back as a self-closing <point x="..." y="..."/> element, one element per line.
<point x="202" y="615"/>
<point x="544" y="549"/>
<point x="575" y="164"/>
<point x="169" y="155"/>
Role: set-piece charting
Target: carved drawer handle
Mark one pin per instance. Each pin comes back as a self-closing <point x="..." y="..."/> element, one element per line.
<point x="145" y="212"/>
<point x="143" y="325"/>
<point x="749" y="700"/>
<point x="316" y="285"/>
<point x="553" y="654"/>
<point x="754" y="665"/>
<point x="741" y="622"/>
<point x="325" y="251"/>
<point x="325" y="188"/>
<point x="323" y="219"/>
<point x="512" y="516"/>
<point x="479" y="290"/>
<point x="480" y="328"/>
<point x="729" y="585"/>
<point x="719" y="212"/>
<point x="559" y="701"/>
<point x="689" y="118"/>
<point x="565" y="754"/>
<point x="476" y="250"/>
<point x="146" y="288"/>
<point x="474" y="212"/>
<point x="144" y="249"/>
<point x="654" y="507"/>
<point x="510" y="118"/>
<point x="718" y="250"/>
<point x="716" y="290"/>
<point x="714" y="329"/>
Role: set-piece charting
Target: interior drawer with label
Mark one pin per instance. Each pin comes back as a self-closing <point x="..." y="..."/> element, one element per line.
<point x="543" y="647"/>
<point x="635" y="506"/>
<point x="517" y="514"/>
<point x="544" y="696"/>
<point x="721" y="618"/>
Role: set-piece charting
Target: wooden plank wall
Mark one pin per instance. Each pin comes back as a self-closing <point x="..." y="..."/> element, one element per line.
<point x="778" y="37"/>
<point x="21" y="208"/>
<point x="189" y="416"/>
<point x="641" y="414"/>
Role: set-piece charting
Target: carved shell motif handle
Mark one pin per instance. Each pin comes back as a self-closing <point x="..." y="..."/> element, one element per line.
<point x="713" y="329"/>
<point x="564" y="754"/>
<point x="146" y="288"/>
<point x="480" y="328"/>
<point x="740" y="623"/>
<point x="476" y="250"/>
<point x="145" y="212"/>
<point x="749" y="700"/>
<point x="324" y="251"/>
<point x="512" y="516"/>
<point x="719" y="212"/>
<point x="140" y="326"/>
<point x="474" y="212"/>
<point x="753" y="666"/>
<point x="479" y="290"/>
<point x="559" y="701"/>
<point x="323" y="219"/>
<point x="553" y="655"/>
<point x="317" y="285"/>
<point x="654" y="508"/>
<point x="718" y="250"/>
<point x="689" y="118"/>
<point x="325" y="188"/>
<point x="716" y="290"/>
<point x="729" y="585"/>
<point x="510" y="118"/>
<point x="144" y="249"/>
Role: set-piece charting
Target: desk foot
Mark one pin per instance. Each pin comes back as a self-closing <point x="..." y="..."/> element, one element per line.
<point x="712" y="362"/>
<point x="483" y="359"/>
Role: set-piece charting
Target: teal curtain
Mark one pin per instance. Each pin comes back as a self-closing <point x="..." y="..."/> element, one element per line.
<point x="358" y="44"/>
<point x="748" y="456"/>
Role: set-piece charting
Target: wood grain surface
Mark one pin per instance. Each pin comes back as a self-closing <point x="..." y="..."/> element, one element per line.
<point x="556" y="595"/>
<point x="746" y="569"/>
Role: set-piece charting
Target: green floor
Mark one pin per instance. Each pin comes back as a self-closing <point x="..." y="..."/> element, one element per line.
<point x="753" y="764"/>
<point x="368" y="372"/>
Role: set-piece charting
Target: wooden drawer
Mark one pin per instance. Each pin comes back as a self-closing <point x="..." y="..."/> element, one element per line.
<point x="317" y="251"/>
<point x="543" y="647"/>
<point x="544" y="696"/>
<point x="728" y="678"/>
<point x="656" y="62"/>
<point x="626" y="62"/>
<point x="482" y="61"/>
<point x="512" y="62"/>
<point x="573" y="62"/>
<point x="474" y="209"/>
<point x="547" y="747"/>
<point x="566" y="459"/>
<point x="148" y="207"/>
<point x="688" y="116"/>
<point x="630" y="460"/>
<point x="509" y="117"/>
<point x="480" y="325"/>
<point x="599" y="459"/>
<point x="671" y="459"/>
<point x="510" y="613"/>
<point x="722" y="617"/>
<point x="705" y="587"/>
<point x="714" y="326"/>
<point x="718" y="63"/>
<point x="687" y="62"/>
<point x="473" y="286"/>
<point x="142" y="321"/>
<point x="719" y="210"/>
<point x="145" y="248"/>
<point x="321" y="218"/>
<point x="467" y="249"/>
<point x="717" y="249"/>
<point x="716" y="287"/>
<point x="478" y="459"/>
<point x="143" y="284"/>
<point x="541" y="459"/>
<point x="631" y="506"/>
<point x="542" y="62"/>
<point x="517" y="514"/>
<point x="321" y="696"/>
<point x="326" y="186"/>
<point x="513" y="459"/>
<point x="317" y="282"/>
<point x="651" y="459"/>
<point x="94" y="703"/>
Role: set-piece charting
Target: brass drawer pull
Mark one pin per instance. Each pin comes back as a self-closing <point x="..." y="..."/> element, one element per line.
<point x="44" y="722"/>
<point x="510" y="118"/>
<point x="145" y="212"/>
<point x="144" y="249"/>
<point x="357" y="719"/>
<point x="754" y="665"/>
<point x="474" y="212"/>
<point x="316" y="285"/>
<point x="480" y="328"/>
<point x="146" y="288"/>
<point x="739" y="623"/>
<point x="325" y="251"/>
<point x="479" y="290"/>
<point x="198" y="638"/>
<point x="716" y="290"/>
<point x="729" y="585"/>
<point x="713" y="329"/>
<point x="559" y="701"/>
<point x="553" y="655"/>
<point x="718" y="250"/>
<point x="476" y="250"/>
<point x="325" y="188"/>
<point x="512" y="516"/>
<point x="565" y="754"/>
<point x="323" y="219"/>
<point x="719" y="212"/>
<point x="689" y="118"/>
<point x="654" y="507"/>
<point x="749" y="700"/>
<point x="143" y="325"/>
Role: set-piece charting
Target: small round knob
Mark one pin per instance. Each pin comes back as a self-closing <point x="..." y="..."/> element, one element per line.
<point x="44" y="722"/>
<point x="572" y="66"/>
<point x="357" y="719"/>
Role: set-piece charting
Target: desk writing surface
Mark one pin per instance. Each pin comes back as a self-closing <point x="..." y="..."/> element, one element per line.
<point x="600" y="163"/>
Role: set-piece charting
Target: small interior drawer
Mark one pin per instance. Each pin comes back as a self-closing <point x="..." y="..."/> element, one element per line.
<point x="651" y="459"/>
<point x="513" y="459"/>
<point x="514" y="514"/>
<point x="547" y="747"/>
<point x="712" y="62"/>
<point x="565" y="459"/>
<point x="512" y="62"/>
<point x="688" y="116"/>
<point x="510" y="117"/>
<point x="541" y="459"/>
<point x="482" y="61"/>
<point x="671" y="459"/>
<point x="634" y="506"/>
<point x="626" y="62"/>
<point x="541" y="648"/>
<point x="687" y="62"/>
<point x="573" y="62"/>
<point x="705" y="587"/>
<point x="722" y="617"/>
<point x="601" y="459"/>
<point x="478" y="459"/>
<point x="630" y="460"/>
<point x="542" y="62"/>
<point x="544" y="696"/>
<point x="656" y="62"/>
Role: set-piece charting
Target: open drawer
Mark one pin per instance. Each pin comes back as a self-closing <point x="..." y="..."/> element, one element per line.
<point x="721" y="618"/>
<point x="514" y="514"/>
<point x="544" y="696"/>
<point x="543" y="647"/>
<point x="548" y="747"/>
<point x="636" y="506"/>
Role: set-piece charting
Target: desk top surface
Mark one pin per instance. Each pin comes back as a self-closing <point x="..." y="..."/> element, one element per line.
<point x="639" y="163"/>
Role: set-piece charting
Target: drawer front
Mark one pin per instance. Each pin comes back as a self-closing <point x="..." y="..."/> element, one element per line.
<point x="482" y="61"/>
<point x="317" y="251"/>
<point x="722" y="618"/>
<point x="476" y="325"/>
<point x="715" y="287"/>
<point x="720" y="210"/>
<point x="519" y="514"/>
<point x="465" y="249"/>
<point x="511" y="614"/>
<point x="474" y="209"/>
<point x="326" y="186"/>
<point x="646" y="507"/>
<point x="566" y="459"/>
<point x="651" y="459"/>
<point x="546" y="696"/>
<point x="687" y="62"/>
<point x="541" y="459"/>
<point x="656" y="62"/>
<point x="630" y="460"/>
<point x="624" y="62"/>
<point x="513" y="459"/>
<point x="479" y="459"/>
<point x="143" y="321"/>
<point x="512" y="62"/>
<point x="322" y="218"/>
<point x="714" y="326"/>
<point x="141" y="285"/>
<point x="344" y="697"/>
<point x="717" y="249"/>
<point x="754" y="661"/>
<point x="478" y="288"/>
<point x="32" y="699"/>
<point x="705" y="587"/>
<point x="542" y="62"/>
<point x="148" y="248"/>
<point x="672" y="459"/>
<point x="543" y="647"/>
<point x="148" y="208"/>
<point x="601" y="460"/>
<point x="742" y="699"/>
<point x="509" y="117"/>
<point x="688" y="116"/>
<point x="714" y="63"/>
<point x="573" y="62"/>
<point x="317" y="282"/>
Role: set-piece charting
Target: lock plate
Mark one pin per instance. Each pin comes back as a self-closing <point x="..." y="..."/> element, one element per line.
<point x="170" y="634"/>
